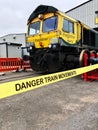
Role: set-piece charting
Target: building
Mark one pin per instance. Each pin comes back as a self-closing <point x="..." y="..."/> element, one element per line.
<point x="10" y="50"/>
<point x="11" y="45"/>
<point x="87" y="13"/>
<point x="14" y="38"/>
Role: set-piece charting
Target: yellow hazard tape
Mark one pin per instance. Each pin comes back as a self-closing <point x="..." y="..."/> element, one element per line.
<point x="20" y="86"/>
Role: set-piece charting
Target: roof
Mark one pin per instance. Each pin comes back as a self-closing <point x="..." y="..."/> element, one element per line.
<point x="42" y="9"/>
<point x="79" y="6"/>
<point x="14" y="34"/>
<point x="10" y="43"/>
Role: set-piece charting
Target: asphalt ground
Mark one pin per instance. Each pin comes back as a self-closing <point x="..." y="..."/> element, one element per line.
<point x="13" y="75"/>
<point x="71" y="104"/>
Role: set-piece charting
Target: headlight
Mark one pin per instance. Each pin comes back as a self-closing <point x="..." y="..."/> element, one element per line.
<point x="50" y="45"/>
<point x="54" y="46"/>
<point x="30" y="47"/>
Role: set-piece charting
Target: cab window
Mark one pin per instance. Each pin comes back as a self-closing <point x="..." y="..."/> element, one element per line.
<point x="68" y="26"/>
<point x="50" y="24"/>
<point x="34" y="28"/>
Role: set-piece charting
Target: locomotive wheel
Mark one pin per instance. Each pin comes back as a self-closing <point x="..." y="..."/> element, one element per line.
<point x="82" y="56"/>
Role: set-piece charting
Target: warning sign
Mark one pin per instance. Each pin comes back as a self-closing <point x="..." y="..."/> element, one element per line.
<point x="20" y="86"/>
<point x="96" y="20"/>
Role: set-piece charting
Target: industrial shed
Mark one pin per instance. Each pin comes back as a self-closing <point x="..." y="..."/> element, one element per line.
<point x="10" y="50"/>
<point x="12" y="45"/>
<point x="19" y="38"/>
<point x="86" y="13"/>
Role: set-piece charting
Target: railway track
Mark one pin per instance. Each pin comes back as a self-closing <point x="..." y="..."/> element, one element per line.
<point x="12" y="76"/>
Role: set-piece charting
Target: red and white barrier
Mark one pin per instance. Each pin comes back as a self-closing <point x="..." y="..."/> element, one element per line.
<point x="8" y="64"/>
<point x="92" y="75"/>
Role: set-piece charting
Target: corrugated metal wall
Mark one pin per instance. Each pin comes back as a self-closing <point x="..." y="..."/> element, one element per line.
<point x="14" y="51"/>
<point x="86" y="13"/>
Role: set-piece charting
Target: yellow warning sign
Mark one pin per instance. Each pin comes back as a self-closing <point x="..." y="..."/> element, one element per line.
<point x="96" y="20"/>
<point x="20" y="86"/>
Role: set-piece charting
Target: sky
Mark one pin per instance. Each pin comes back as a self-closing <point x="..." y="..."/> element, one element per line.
<point x="14" y="13"/>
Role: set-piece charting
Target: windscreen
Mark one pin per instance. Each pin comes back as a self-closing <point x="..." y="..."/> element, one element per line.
<point x="34" y="28"/>
<point x="50" y="24"/>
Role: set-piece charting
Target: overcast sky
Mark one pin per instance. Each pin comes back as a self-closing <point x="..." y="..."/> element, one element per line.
<point x="14" y="13"/>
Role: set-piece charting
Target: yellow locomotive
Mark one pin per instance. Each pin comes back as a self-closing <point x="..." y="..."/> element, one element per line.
<point x="56" y="41"/>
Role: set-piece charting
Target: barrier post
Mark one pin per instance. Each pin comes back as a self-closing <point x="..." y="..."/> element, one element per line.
<point x="85" y="58"/>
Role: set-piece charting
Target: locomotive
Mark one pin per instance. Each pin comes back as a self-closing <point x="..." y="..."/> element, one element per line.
<point x="57" y="42"/>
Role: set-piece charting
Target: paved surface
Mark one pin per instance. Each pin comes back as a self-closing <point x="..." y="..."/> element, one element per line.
<point x="68" y="105"/>
<point x="12" y="76"/>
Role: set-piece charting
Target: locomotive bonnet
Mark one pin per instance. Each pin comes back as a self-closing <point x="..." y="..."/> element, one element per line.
<point x="57" y="42"/>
